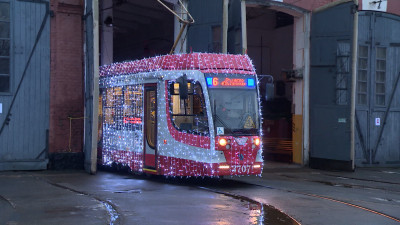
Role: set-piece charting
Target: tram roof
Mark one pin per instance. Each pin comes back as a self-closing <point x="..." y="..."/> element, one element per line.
<point x="205" y="62"/>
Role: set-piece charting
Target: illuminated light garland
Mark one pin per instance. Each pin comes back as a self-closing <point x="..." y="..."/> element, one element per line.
<point x="123" y="92"/>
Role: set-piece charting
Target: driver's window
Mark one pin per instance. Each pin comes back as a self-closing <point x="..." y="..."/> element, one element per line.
<point x="190" y="114"/>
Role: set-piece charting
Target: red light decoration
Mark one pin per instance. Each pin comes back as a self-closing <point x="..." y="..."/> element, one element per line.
<point x="205" y="62"/>
<point x="135" y="120"/>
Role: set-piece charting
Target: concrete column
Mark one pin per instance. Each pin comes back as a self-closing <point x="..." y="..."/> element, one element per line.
<point x="106" y="33"/>
<point x="95" y="104"/>
<point x="306" y="93"/>
<point x="297" y="88"/>
<point x="244" y="27"/>
<point x="225" y="27"/>
<point x="181" y="46"/>
<point x="301" y="48"/>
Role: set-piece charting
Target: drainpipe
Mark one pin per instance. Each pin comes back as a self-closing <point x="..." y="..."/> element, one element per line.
<point x="354" y="84"/>
<point x="225" y="27"/>
<point x="244" y="27"/>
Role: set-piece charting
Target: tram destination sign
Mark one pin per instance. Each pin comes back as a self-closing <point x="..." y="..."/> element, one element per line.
<point x="230" y="82"/>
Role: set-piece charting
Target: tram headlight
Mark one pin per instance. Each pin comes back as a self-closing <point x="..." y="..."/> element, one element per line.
<point x="223" y="167"/>
<point x="257" y="141"/>
<point x="222" y="142"/>
<point x="257" y="166"/>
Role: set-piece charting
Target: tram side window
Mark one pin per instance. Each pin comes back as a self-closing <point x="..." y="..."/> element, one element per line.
<point x="122" y="106"/>
<point x="133" y="106"/>
<point x="113" y="111"/>
<point x="100" y="117"/>
<point x="189" y="114"/>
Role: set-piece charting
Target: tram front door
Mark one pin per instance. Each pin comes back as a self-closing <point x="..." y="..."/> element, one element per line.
<point x="150" y="127"/>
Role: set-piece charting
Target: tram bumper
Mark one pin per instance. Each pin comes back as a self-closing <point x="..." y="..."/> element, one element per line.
<point x="239" y="169"/>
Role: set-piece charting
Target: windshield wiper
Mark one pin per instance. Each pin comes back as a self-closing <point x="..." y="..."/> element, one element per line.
<point x="221" y="121"/>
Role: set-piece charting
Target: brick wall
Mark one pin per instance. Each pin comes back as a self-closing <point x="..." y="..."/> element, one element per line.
<point x="66" y="82"/>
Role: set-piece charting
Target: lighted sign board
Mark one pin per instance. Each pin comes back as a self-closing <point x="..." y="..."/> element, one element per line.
<point x="230" y="82"/>
<point x="135" y="120"/>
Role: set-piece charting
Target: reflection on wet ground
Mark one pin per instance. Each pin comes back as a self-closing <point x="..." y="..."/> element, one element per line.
<point x="260" y="214"/>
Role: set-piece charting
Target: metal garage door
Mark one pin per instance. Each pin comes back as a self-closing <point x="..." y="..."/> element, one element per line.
<point x="330" y="87"/>
<point x="378" y="91"/>
<point x="24" y="114"/>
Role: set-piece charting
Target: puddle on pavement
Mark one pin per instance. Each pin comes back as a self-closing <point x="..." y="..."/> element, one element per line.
<point x="262" y="214"/>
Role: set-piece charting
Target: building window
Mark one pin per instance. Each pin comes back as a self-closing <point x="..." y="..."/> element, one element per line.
<point x="4" y="47"/>
<point x="380" y="77"/>
<point x="362" y="75"/>
<point x="342" y="73"/>
<point x="189" y="115"/>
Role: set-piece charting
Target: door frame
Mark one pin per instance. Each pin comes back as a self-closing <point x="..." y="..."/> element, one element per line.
<point x="150" y="153"/>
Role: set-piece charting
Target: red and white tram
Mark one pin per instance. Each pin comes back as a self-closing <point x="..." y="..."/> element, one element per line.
<point x="192" y="114"/>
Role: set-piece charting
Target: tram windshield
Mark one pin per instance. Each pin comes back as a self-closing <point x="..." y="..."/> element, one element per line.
<point x="234" y="104"/>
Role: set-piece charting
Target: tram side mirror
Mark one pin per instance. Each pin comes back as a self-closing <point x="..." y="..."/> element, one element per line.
<point x="183" y="86"/>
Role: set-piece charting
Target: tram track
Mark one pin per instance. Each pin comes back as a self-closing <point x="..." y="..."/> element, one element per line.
<point x="317" y="196"/>
<point x="216" y="186"/>
<point x="346" y="185"/>
<point x="114" y="215"/>
<point x="9" y="202"/>
<point x="361" y="179"/>
<point x="236" y="189"/>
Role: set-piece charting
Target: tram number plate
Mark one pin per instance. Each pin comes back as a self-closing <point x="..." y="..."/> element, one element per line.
<point x="241" y="168"/>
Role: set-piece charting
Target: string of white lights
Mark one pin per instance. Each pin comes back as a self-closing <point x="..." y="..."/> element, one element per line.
<point x="179" y="152"/>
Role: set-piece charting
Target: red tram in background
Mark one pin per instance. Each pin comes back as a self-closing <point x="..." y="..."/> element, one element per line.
<point x="194" y="114"/>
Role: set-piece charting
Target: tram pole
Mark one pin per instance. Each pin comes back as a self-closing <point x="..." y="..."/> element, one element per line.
<point x="225" y="27"/>
<point x="96" y="64"/>
<point x="91" y="49"/>
<point x="244" y="26"/>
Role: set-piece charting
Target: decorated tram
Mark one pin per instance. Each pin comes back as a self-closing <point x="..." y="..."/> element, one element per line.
<point x="194" y="114"/>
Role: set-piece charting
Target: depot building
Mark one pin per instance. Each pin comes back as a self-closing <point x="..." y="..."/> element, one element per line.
<point x="328" y="73"/>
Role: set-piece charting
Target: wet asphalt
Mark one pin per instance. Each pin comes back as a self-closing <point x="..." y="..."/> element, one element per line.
<point x="284" y="194"/>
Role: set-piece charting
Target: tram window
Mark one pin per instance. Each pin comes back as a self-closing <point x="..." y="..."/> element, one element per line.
<point x="100" y="117"/>
<point x="189" y="114"/>
<point x="133" y="107"/>
<point x="113" y="105"/>
<point x="123" y="107"/>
